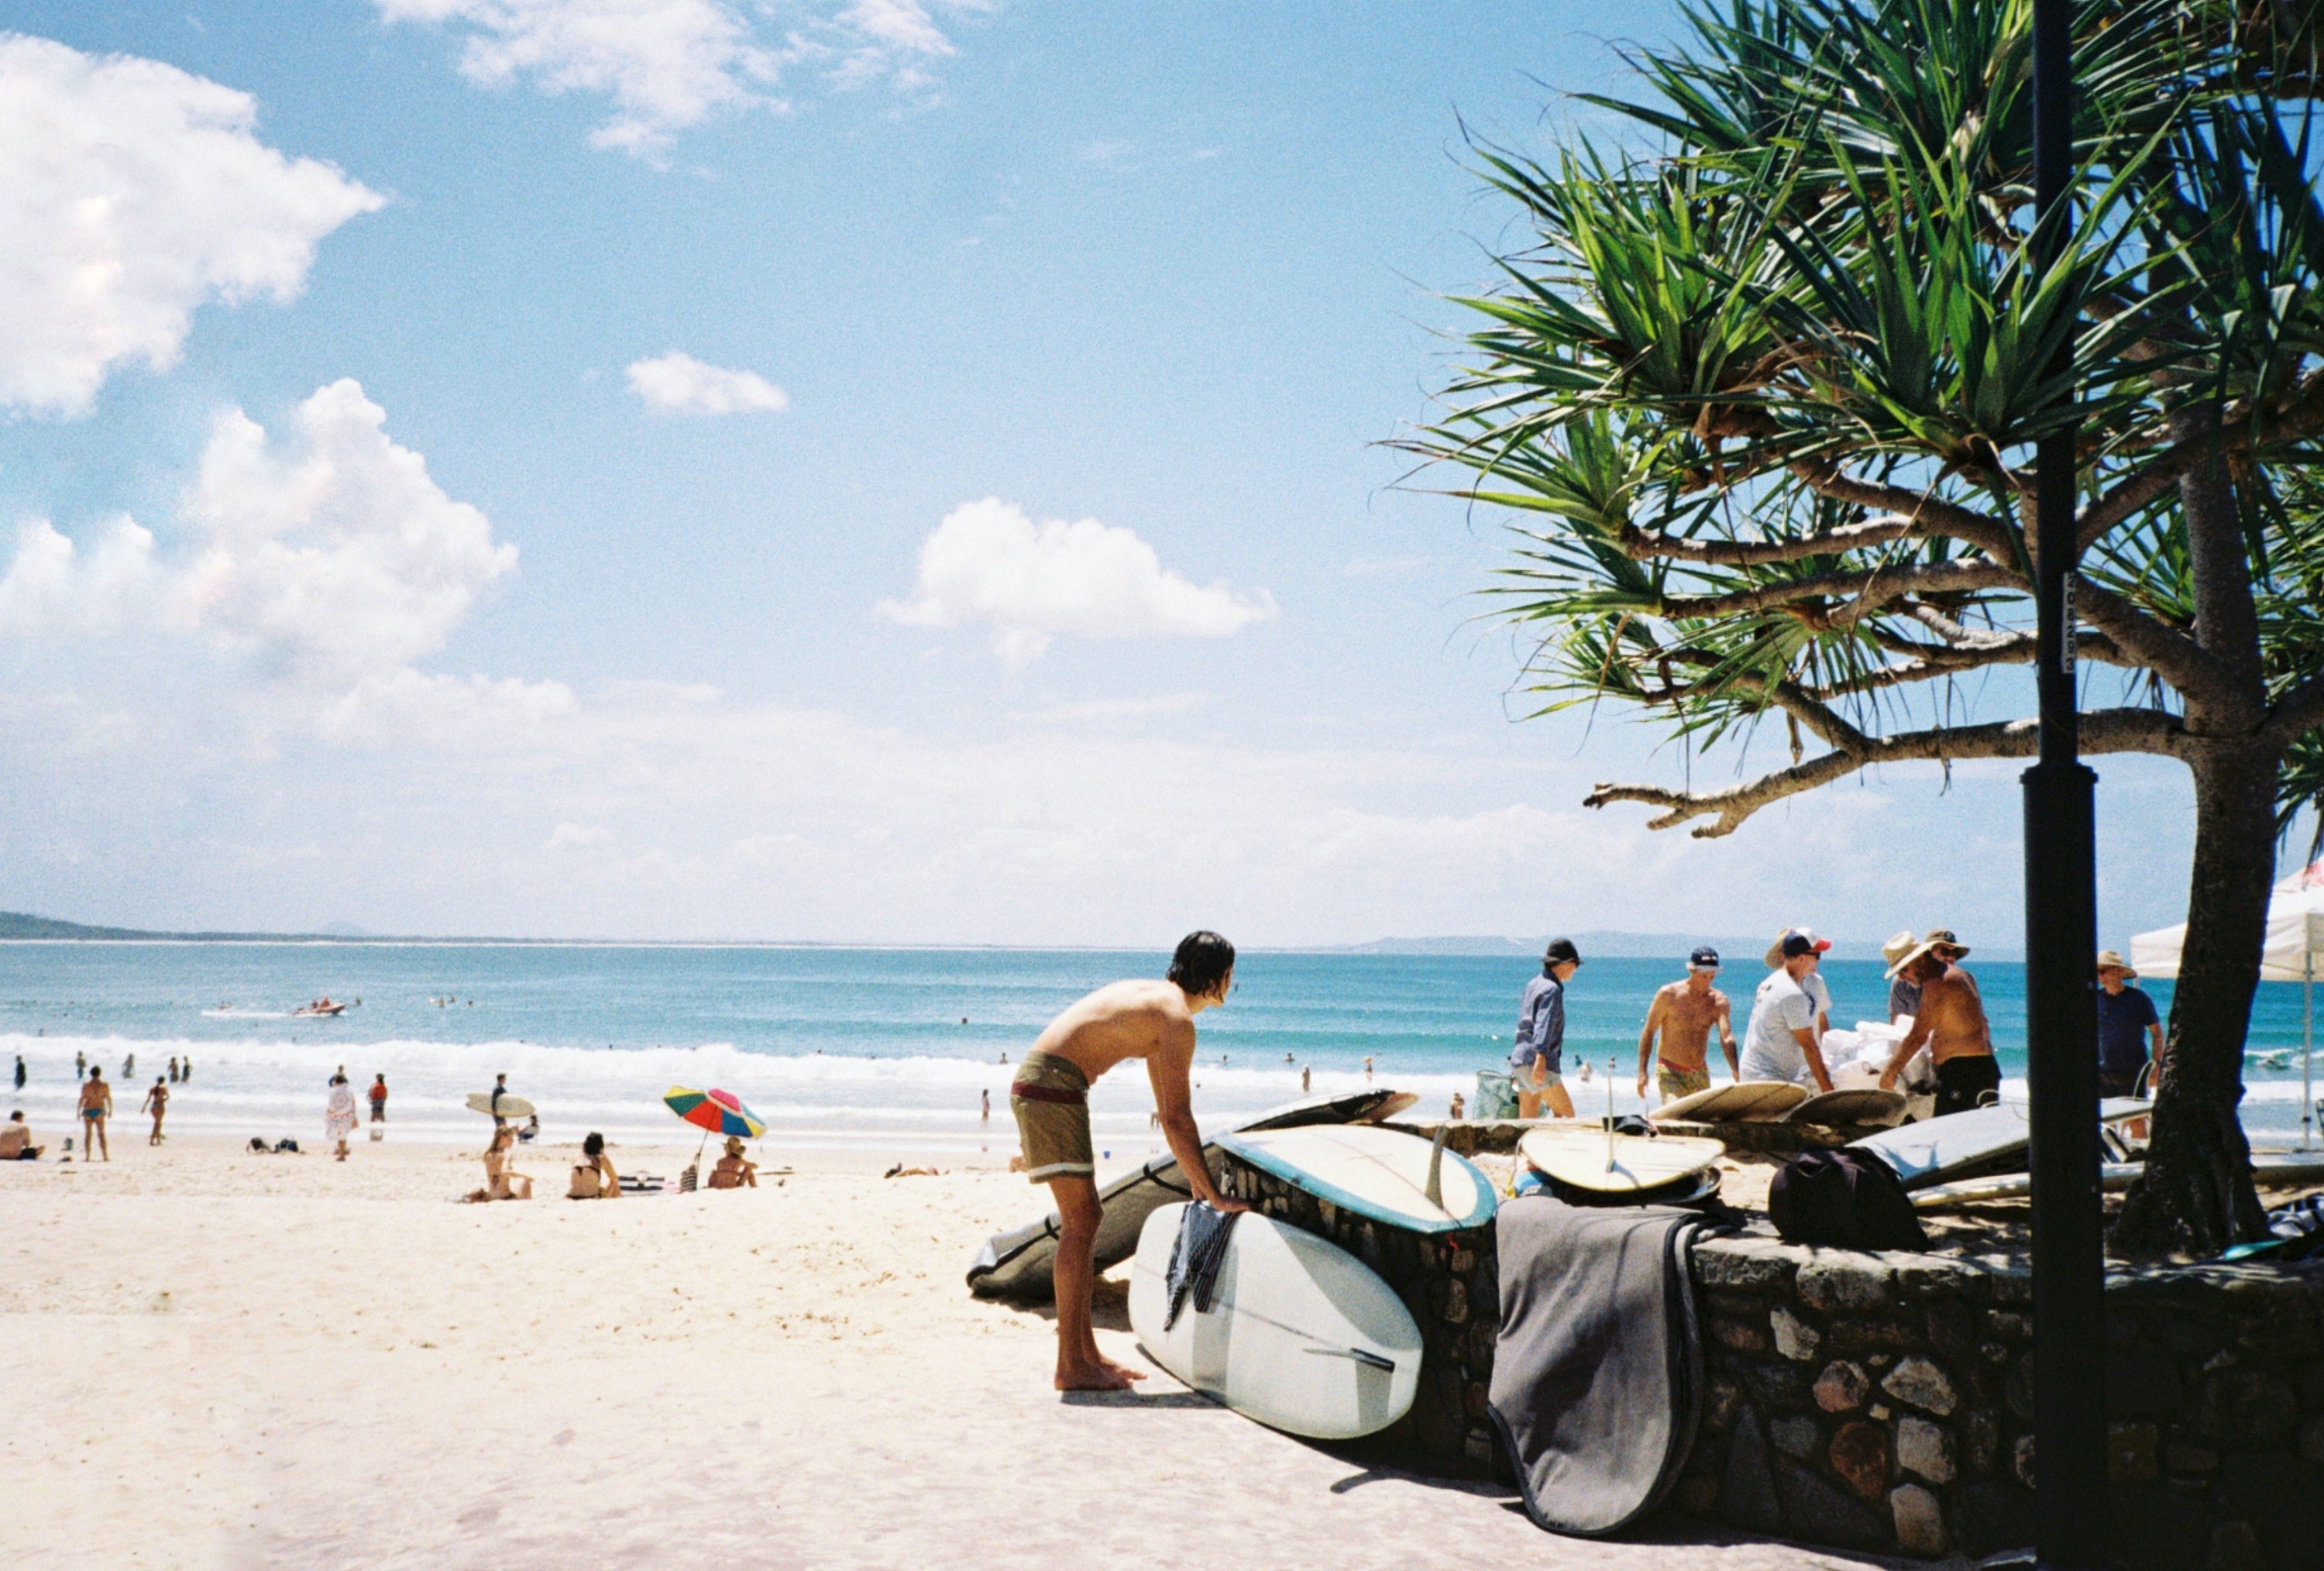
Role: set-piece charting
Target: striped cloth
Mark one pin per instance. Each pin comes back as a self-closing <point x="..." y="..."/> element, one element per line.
<point x="1195" y="1258"/>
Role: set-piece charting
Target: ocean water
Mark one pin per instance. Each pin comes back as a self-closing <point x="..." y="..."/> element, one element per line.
<point x="870" y="1047"/>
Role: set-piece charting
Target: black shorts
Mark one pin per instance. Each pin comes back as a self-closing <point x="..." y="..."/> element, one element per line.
<point x="1966" y="1084"/>
<point x="2118" y="1084"/>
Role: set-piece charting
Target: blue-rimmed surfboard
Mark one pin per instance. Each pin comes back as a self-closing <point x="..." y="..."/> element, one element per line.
<point x="1379" y="1173"/>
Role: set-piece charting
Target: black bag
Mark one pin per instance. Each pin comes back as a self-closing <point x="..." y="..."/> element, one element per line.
<point x="1844" y="1198"/>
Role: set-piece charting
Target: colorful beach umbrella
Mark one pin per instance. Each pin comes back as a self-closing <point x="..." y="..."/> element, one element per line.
<point x="718" y="1112"/>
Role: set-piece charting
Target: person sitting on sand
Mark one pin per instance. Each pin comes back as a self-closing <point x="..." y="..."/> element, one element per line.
<point x="1153" y="1021"/>
<point x="501" y="1181"/>
<point x="95" y="1107"/>
<point x="1951" y="1024"/>
<point x="732" y="1171"/>
<point x="594" y="1178"/>
<point x="1684" y="1014"/>
<point x="16" y="1141"/>
<point x="157" y="1102"/>
<point x="900" y="1171"/>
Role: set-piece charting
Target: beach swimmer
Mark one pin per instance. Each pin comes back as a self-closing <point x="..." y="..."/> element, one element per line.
<point x="95" y="1107"/>
<point x="1682" y="1014"/>
<point x="157" y="1102"/>
<point x="1783" y="1040"/>
<point x="1139" y="1019"/>
<point x="1952" y="1025"/>
<point x="1540" y="1043"/>
<point x="594" y="1178"/>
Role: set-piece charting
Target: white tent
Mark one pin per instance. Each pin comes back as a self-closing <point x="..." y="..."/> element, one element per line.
<point x="2294" y="953"/>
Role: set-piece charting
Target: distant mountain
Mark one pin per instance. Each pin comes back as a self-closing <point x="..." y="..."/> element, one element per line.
<point x="18" y="925"/>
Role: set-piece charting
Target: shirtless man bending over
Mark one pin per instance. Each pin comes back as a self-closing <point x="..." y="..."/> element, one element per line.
<point x="1952" y="1025"/>
<point x="1153" y="1021"/>
<point x="1684" y="1014"/>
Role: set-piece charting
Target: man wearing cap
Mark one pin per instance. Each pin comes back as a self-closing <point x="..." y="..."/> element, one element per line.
<point x="1783" y="1040"/>
<point x="1540" y="1041"/>
<point x="1950" y="1023"/>
<point x="2130" y="1034"/>
<point x="1684" y="1013"/>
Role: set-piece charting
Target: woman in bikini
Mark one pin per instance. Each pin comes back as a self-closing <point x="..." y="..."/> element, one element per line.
<point x="501" y="1181"/>
<point x="594" y="1178"/>
<point x="732" y="1171"/>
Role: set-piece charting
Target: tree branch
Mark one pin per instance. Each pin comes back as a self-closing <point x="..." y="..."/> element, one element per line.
<point x="2297" y="713"/>
<point x="1932" y="514"/>
<point x="1864" y="591"/>
<point x="2102" y="731"/>
<point x="2170" y="654"/>
<point x="1643" y="545"/>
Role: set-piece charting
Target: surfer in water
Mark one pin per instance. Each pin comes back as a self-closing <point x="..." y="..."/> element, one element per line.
<point x="1684" y="1014"/>
<point x="1153" y="1021"/>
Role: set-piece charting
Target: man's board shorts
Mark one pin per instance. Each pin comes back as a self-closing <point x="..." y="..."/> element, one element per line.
<point x="1675" y="1083"/>
<point x="379" y="1113"/>
<point x="1966" y="1084"/>
<point x="2111" y="1084"/>
<point x="1050" y="1099"/>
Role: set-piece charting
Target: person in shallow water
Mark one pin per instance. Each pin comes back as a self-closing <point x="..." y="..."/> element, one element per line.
<point x="1139" y="1019"/>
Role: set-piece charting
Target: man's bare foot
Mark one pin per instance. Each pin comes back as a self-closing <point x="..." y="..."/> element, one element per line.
<point x="1123" y="1369"/>
<point x="1090" y="1377"/>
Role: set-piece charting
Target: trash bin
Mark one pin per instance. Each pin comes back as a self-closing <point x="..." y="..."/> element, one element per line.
<point x="1497" y="1097"/>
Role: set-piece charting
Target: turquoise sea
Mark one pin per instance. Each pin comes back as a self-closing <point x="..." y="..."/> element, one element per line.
<point x="866" y="1046"/>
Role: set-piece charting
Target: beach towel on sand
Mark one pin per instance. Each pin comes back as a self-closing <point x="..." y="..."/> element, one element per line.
<point x="1597" y="1371"/>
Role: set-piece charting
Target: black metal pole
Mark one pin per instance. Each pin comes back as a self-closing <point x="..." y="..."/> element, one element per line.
<point x="2069" y="1406"/>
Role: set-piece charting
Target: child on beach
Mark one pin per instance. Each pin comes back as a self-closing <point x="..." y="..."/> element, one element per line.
<point x="1153" y="1021"/>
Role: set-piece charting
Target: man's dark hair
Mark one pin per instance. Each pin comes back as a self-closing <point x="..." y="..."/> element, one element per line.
<point x="1201" y="961"/>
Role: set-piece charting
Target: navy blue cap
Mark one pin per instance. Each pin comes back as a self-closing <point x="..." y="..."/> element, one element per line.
<point x="1704" y="958"/>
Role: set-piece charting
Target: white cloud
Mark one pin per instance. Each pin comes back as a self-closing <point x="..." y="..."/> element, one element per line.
<point x="51" y="586"/>
<point x="684" y="385"/>
<point x="340" y="557"/>
<point x="131" y="192"/>
<point x="410" y="709"/>
<point x="671" y="64"/>
<point x="566" y="835"/>
<point x="988" y="563"/>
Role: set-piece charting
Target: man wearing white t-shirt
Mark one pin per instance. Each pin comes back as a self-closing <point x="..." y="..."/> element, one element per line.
<point x="1789" y="1014"/>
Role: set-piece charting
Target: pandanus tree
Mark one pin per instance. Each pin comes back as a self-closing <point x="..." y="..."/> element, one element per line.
<point x="1759" y="391"/>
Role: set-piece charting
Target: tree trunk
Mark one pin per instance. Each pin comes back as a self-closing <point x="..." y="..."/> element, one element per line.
<point x="2196" y="1197"/>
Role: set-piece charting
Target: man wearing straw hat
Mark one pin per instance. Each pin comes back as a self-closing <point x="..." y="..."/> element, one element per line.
<point x="1950" y="1023"/>
<point x="1904" y="996"/>
<point x="2130" y="1034"/>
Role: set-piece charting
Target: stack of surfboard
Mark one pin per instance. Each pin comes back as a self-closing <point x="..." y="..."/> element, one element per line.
<point x="1302" y="1335"/>
<point x="1016" y="1264"/>
<point x="1780" y="1101"/>
<point x="1589" y="1166"/>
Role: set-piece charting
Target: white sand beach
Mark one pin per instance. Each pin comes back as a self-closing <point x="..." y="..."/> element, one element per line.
<point x="217" y="1359"/>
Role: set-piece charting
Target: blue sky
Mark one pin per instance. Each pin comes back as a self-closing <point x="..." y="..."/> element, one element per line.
<point x="484" y="613"/>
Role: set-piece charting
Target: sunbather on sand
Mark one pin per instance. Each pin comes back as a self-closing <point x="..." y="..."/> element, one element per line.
<point x="732" y="1171"/>
<point x="1153" y="1021"/>
<point x="594" y="1178"/>
<point x="501" y="1181"/>
<point x="16" y="1141"/>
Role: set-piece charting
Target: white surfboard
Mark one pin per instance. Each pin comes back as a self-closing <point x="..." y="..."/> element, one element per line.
<point x="1743" y="1101"/>
<point x="1849" y="1107"/>
<point x="1591" y="1159"/>
<point x="1301" y="1335"/>
<point x="511" y="1107"/>
<point x="1379" y="1173"/>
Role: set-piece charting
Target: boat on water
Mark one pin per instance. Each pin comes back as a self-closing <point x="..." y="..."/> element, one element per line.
<point x="326" y="1005"/>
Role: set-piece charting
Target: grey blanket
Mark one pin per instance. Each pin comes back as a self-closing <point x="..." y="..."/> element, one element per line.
<point x="1597" y="1371"/>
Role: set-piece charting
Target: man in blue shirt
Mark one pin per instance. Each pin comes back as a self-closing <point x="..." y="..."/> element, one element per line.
<point x="2130" y="1036"/>
<point x="1540" y="1042"/>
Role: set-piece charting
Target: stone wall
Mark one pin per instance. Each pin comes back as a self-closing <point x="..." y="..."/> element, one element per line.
<point x="1884" y="1402"/>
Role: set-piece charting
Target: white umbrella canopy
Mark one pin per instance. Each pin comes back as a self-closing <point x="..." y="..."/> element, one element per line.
<point x="2294" y="953"/>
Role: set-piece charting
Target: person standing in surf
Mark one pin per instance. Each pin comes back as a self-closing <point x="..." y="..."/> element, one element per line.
<point x="1137" y="1018"/>
<point x="95" y="1107"/>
